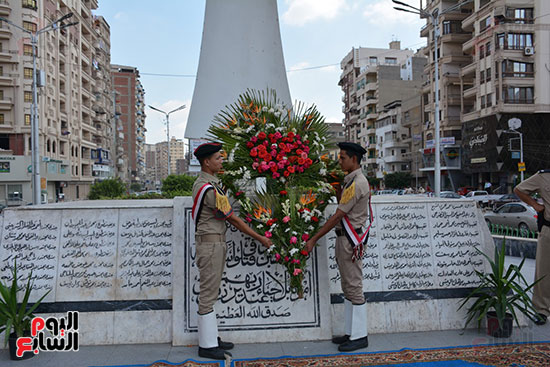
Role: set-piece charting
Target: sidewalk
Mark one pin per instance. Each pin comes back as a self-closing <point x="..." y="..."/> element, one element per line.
<point x="148" y="353"/>
<point x="109" y="355"/>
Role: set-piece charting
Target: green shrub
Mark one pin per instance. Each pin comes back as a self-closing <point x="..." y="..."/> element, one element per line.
<point x="107" y="189"/>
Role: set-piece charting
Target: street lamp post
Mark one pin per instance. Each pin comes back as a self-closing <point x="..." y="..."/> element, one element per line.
<point x="434" y="19"/>
<point x="34" y="108"/>
<point x="167" y="115"/>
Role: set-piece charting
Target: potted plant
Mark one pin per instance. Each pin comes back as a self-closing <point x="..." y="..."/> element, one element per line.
<point x="15" y="319"/>
<point x="502" y="292"/>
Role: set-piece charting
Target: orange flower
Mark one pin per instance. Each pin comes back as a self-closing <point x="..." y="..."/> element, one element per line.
<point x="260" y="210"/>
<point x="307" y="198"/>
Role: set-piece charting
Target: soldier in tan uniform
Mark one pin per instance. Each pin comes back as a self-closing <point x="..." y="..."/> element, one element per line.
<point x="540" y="183"/>
<point x="211" y="209"/>
<point x="350" y="220"/>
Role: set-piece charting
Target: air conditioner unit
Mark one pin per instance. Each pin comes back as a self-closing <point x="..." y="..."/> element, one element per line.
<point x="529" y="51"/>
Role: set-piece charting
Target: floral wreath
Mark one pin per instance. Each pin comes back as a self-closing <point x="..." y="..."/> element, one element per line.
<point x="286" y="147"/>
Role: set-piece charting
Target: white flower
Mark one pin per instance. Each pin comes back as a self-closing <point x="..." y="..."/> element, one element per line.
<point x="278" y="106"/>
<point x="250" y="128"/>
<point x="293" y="251"/>
<point x="237" y="130"/>
<point x="322" y="172"/>
<point x="264" y="108"/>
<point x="246" y="175"/>
<point x="297" y="206"/>
<point x="270" y="249"/>
<point x="294" y="233"/>
<point x="286" y="230"/>
<point x="270" y="126"/>
<point x="310" y="228"/>
<point x="277" y="114"/>
<point x="273" y="227"/>
<point x="271" y="110"/>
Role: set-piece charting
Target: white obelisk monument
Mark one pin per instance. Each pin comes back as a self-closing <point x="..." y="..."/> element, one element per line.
<point x="241" y="49"/>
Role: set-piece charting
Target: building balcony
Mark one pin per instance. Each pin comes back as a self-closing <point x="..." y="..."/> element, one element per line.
<point x="6" y="81"/>
<point x="7" y="125"/>
<point x="456" y="59"/>
<point x="5" y="33"/>
<point x="370" y="86"/>
<point x="470" y="92"/>
<point x="471" y="115"/>
<point x="395" y="159"/>
<point x="372" y="101"/>
<point x="456" y="37"/>
<point x="6" y="56"/>
<point x="454" y="99"/>
<point x="469" y="69"/>
<point x="372" y="115"/>
<point x="6" y="104"/>
<point x="425" y="30"/>
<point x="5" y="8"/>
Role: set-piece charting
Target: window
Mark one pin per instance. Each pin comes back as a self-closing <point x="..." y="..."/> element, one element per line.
<point x="501" y="37"/>
<point x="27" y="73"/>
<point x="481" y="52"/>
<point x="488" y="75"/>
<point x="482" y="101"/>
<point x="1" y="70"/>
<point x="29" y="26"/>
<point x="482" y="77"/>
<point x="391" y="60"/>
<point x="484" y="24"/>
<point x="489" y="99"/>
<point x="373" y="60"/>
<point x="520" y="16"/>
<point x="487" y="48"/>
<point x="15" y="192"/>
<point x="496" y="69"/>
<point x="1" y="95"/>
<point x="519" y="95"/>
<point x="29" y="4"/>
<point x="518" y="41"/>
<point x="27" y="119"/>
<point x="2" y="119"/>
<point x="27" y="50"/>
<point x="516" y="69"/>
<point x="27" y="96"/>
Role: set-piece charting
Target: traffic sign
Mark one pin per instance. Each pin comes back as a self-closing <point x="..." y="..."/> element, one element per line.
<point x="521" y="166"/>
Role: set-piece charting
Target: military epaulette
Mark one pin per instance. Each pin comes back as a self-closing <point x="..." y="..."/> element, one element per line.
<point x="348" y="194"/>
<point x="544" y="171"/>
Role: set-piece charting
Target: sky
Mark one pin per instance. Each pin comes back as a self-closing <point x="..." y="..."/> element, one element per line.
<point x="164" y="37"/>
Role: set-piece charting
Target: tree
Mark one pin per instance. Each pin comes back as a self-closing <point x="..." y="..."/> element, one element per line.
<point x="107" y="189"/>
<point x="177" y="185"/>
<point x="397" y="180"/>
<point x="135" y="187"/>
<point x="373" y="181"/>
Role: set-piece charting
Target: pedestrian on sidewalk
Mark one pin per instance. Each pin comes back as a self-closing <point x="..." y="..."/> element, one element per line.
<point x="211" y="209"/>
<point x="540" y="183"/>
<point x="350" y="218"/>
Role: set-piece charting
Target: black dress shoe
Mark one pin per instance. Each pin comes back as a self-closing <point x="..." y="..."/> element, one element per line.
<point x="340" y="339"/>
<point x="540" y="319"/>
<point x="213" y="353"/>
<point x="352" y="345"/>
<point x="225" y="345"/>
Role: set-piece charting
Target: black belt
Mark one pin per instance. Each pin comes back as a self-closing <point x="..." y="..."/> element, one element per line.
<point x="341" y="232"/>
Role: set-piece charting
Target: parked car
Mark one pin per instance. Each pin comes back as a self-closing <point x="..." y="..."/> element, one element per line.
<point x="383" y="192"/>
<point x="398" y="192"/>
<point x="450" y="195"/>
<point x="516" y="215"/>
<point x="505" y="199"/>
<point x="482" y="197"/>
<point x="464" y="190"/>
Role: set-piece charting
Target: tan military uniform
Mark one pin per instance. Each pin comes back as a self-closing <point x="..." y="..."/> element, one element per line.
<point x="210" y="245"/>
<point x="356" y="207"/>
<point x="540" y="183"/>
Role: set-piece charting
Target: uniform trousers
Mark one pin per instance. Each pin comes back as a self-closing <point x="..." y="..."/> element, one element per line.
<point x="211" y="251"/>
<point x="541" y="291"/>
<point x="351" y="272"/>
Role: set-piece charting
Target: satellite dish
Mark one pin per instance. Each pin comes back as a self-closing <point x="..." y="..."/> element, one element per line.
<point x="514" y="123"/>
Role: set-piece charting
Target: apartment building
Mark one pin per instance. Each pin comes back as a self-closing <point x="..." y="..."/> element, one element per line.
<point x="130" y="99"/>
<point x="508" y="78"/>
<point x="371" y="79"/>
<point x="493" y="68"/>
<point x="70" y="131"/>
<point x="176" y="152"/>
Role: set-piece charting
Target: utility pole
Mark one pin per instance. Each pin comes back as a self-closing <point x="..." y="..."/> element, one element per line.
<point x="35" y="146"/>
<point x="167" y="116"/>
<point x="434" y="19"/>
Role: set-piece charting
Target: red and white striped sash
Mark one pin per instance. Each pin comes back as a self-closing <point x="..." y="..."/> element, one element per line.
<point x="197" y="204"/>
<point x="358" y="242"/>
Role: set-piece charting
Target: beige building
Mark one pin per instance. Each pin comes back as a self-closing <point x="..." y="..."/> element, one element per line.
<point x="494" y="67"/>
<point x="176" y="153"/>
<point x="73" y="131"/>
<point x="372" y="79"/>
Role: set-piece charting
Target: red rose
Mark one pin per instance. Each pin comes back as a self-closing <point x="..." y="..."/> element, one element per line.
<point x="238" y="193"/>
<point x="301" y="161"/>
<point x="250" y="145"/>
<point x="283" y="192"/>
<point x="254" y="152"/>
<point x="304" y="252"/>
<point x="305" y="237"/>
<point x="290" y="134"/>
<point x="286" y="173"/>
<point x="315" y="219"/>
<point x="309" y="161"/>
<point x="262" y="135"/>
<point x="273" y="168"/>
<point x="270" y="136"/>
<point x="290" y="169"/>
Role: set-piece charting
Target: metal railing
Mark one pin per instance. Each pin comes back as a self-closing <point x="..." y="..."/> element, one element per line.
<point x="502" y="230"/>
